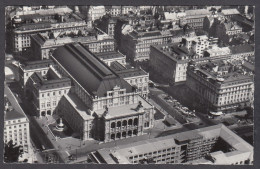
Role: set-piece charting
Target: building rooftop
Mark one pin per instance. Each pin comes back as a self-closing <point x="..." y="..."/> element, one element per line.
<point x="243" y="20"/>
<point x="219" y="50"/>
<point x="16" y="112"/>
<point x="79" y="106"/>
<point x="222" y="72"/>
<point x="49" y="82"/>
<point x="38" y="21"/>
<point x="116" y="66"/>
<point x="125" y="110"/>
<point x="175" y="51"/>
<point x="89" y="35"/>
<point x="109" y="55"/>
<point x="242" y="48"/>
<point x="249" y="66"/>
<point x="240" y="146"/>
<point x="230" y="11"/>
<point x="88" y="70"/>
<point x="131" y="72"/>
<point x="232" y="26"/>
<point x="49" y="11"/>
<point x="197" y="13"/>
<point x="36" y="64"/>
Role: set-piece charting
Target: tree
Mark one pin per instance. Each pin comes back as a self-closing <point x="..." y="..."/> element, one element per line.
<point x="12" y="152"/>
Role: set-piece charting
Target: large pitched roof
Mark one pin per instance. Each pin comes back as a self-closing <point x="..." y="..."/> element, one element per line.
<point x="17" y="111"/>
<point x="88" y="70"/>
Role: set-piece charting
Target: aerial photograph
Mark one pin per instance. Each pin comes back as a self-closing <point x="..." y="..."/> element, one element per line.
<point x="129" y="85"/>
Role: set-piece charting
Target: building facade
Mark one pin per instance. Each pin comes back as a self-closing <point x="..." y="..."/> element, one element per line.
<point x="210" y="145"/>
<point x="26" y="25"/>
<point x="16" y="124"/>
<point x="98" y="41"/>
<point x="100" y="89"/>
<point x="112" y="56"/>
<point x="220" y="85"/>
<point x="28" y="68"/>
<point x="136" y="77"/>
<point x="46" y="91"/>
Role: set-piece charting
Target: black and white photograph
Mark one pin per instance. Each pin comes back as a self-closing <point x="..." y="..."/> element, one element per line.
<point x="129" y="84"/>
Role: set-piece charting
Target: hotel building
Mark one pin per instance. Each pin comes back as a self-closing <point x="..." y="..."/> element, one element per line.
<point x="219" y="85"/>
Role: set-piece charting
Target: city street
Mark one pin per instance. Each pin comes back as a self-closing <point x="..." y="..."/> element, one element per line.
<point x="154" y="95"/>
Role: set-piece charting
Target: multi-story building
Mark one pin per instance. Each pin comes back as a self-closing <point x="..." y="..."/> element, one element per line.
<point x="113" y="10"/>
<point x="107" y="24"/>
<point x="226" y="29"/>
<point x="217" y="51"/>
<point x="110" y="57"/>
<point x="108" y="99"/>
<point x="194" y="18"/>
<point x="170" y="61"/>
<point x="16" y="124"/>
<point x="228" y="13"/>
<point x="242" y="51"/>
<point x="45" y="91"/>
<point x="210" y="145"/>
<point x="198" y="44"/>
<point x="26" y="25"/>
<point x="28" y="68"/>
<point x="136" y="45"/>
<point x="136" y="77"/>
<point x="96" y="40"/>
<point x="95" y="12"/>
<point x="246" y="24"/>
<point x="220" y="86"/>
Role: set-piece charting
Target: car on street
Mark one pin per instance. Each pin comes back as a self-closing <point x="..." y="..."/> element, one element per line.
<point x="151" y="85"/>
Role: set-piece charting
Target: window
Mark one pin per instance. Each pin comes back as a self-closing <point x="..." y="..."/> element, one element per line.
<point x="43" y="105"/>
<point x="48" y="104"/>
<point x="53" y="93"/>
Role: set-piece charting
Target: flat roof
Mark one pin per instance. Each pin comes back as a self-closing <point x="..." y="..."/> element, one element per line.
<point x="131" y="72"/>
<point x="230" y="11"/>
<point x="155" y="144"/>
<point x="175" y="52"/>
<point x="110" y="55"/>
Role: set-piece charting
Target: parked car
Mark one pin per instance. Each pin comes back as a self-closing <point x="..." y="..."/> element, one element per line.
<point x="151" y="85"/>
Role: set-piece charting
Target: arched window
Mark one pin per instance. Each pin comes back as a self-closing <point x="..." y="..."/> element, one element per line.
<point x="135" y="132"/>
<point x="118" y="124"/>
<point x="124" y="134"/>
<point x="130" y="133"/>
<point x="113" y="125"/>
<point x="135" y="121"/>
<point x="130" y="122"/>
<point x="124" y="123"/>
<point x="112" y="136"/>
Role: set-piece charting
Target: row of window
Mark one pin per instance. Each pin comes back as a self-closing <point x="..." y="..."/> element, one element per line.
<point x="10" y="127"/>
<point x="54" y="103"/>
<point x="13" y="122"/>
<point x="54" y="93"/>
